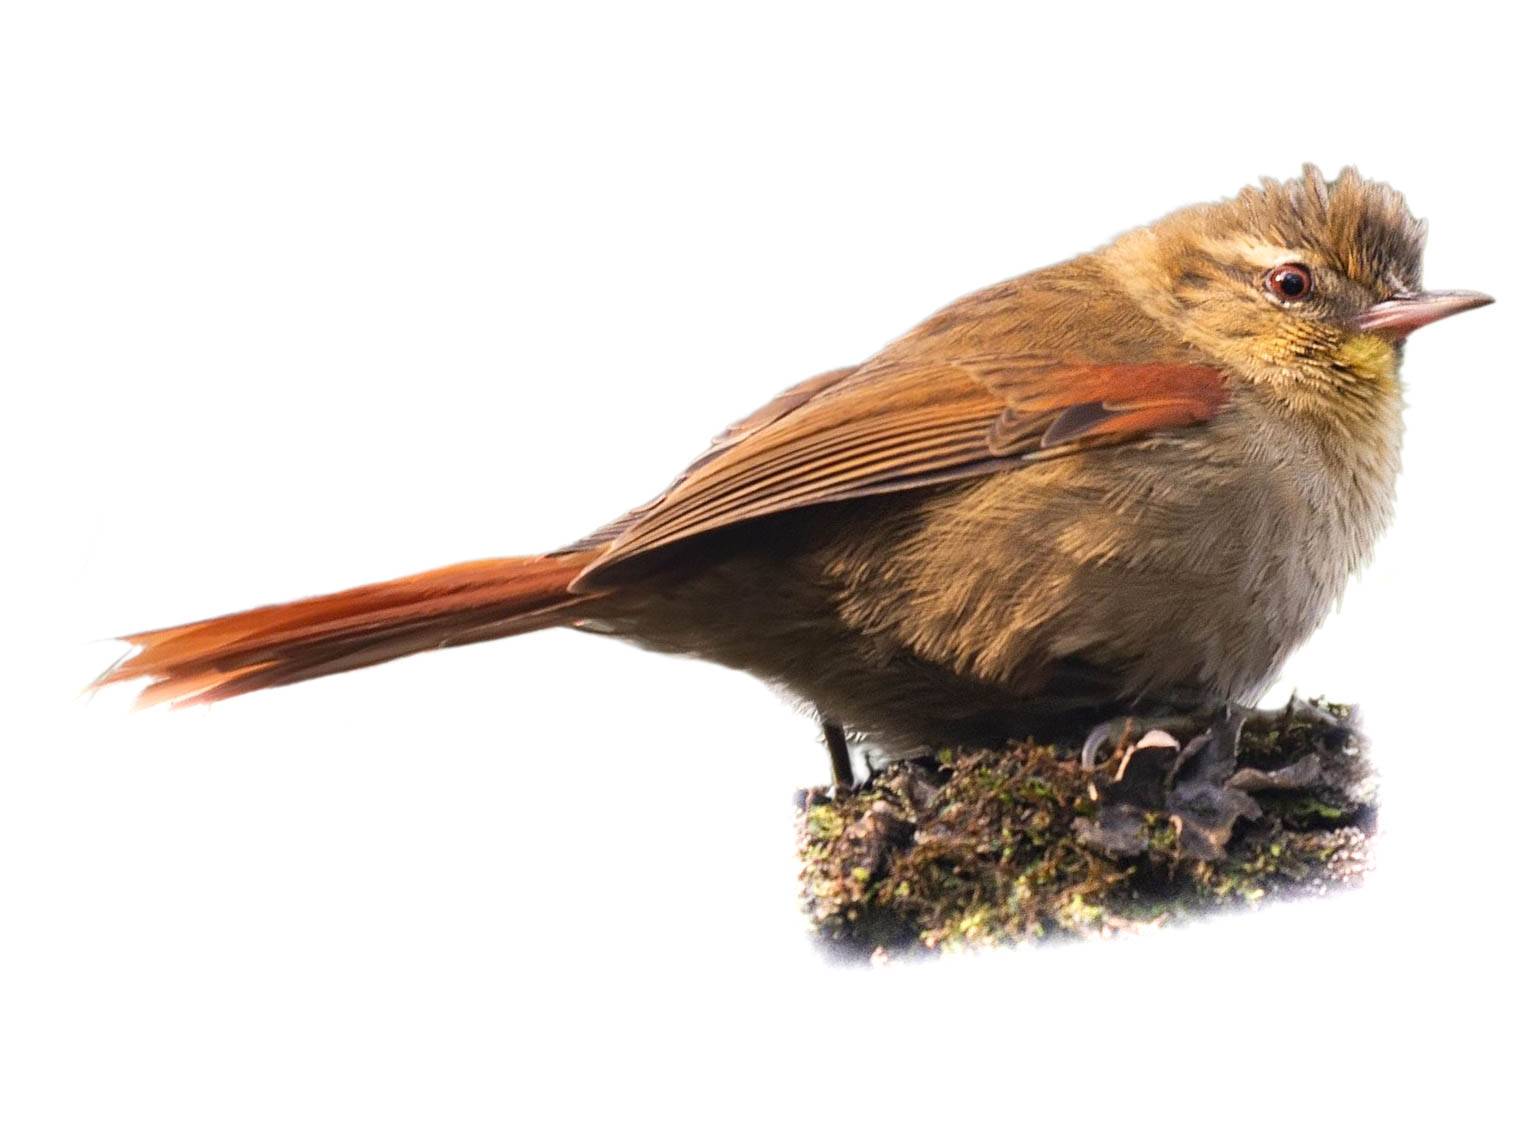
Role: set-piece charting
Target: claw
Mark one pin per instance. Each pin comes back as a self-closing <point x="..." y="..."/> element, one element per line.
<point x="1115" y="732"/>
<point x="1110" y="731"/>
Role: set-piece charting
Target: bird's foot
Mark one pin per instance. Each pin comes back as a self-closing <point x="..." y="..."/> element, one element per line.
<point x="871" y="762"/>
<point x="1115" y="733"/>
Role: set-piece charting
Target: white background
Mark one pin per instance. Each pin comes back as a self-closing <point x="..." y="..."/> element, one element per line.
<point x="298" y="296"/>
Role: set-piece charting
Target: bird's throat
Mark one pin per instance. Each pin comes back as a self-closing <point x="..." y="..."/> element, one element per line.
<point x="1372" y="360"/>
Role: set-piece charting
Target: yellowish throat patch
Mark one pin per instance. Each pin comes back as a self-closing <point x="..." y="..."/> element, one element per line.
<point x="1371" y="358"/>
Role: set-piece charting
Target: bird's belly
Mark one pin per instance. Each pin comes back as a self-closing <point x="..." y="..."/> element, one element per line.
<point x="1219" y="615"/>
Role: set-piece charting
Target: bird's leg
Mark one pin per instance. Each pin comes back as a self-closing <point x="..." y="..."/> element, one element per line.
<point x="841" y="760"/>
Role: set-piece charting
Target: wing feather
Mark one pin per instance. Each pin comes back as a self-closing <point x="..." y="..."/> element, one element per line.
<point x="900" y="423"/>
<point x="903" y="421"/>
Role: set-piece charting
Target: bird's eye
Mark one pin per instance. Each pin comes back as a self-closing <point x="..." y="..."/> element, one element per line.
<point x="1291" y="282"/>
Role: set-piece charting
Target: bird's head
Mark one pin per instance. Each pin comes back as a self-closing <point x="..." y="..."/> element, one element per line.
<point x="1305" y="287"/>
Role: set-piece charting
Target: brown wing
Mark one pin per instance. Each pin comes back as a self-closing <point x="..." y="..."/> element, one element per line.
<point x="896" y="424"/>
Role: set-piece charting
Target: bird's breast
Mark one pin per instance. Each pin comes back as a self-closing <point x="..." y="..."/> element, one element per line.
<point x="1196" y="560"/>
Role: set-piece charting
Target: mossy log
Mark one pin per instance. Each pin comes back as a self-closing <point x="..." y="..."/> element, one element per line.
<point x="977" y="848"/>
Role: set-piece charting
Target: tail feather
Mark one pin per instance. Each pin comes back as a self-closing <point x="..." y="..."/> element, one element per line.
<point x="209" y="660"/>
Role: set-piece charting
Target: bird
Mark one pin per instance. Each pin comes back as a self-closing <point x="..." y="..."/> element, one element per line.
<point x="1130" y="482"/>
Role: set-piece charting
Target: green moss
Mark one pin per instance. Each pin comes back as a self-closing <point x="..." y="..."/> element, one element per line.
<point x="973" y="849"/>
<point x="823" y="823"/>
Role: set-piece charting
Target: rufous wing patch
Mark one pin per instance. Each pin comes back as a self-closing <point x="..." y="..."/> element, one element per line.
<point x="1054" y="402"/>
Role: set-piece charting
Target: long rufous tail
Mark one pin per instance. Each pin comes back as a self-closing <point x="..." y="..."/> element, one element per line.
<point x="285" y="643"/>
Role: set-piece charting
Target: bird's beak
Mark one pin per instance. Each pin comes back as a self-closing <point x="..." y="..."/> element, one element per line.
<point x="1402" y="314"/>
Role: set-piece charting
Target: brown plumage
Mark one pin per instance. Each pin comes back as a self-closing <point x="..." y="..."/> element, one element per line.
<point x="1139" y="477"/>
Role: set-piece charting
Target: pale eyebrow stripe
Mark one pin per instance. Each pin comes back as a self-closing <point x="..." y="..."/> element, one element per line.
<point x="1256" y="254"/>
